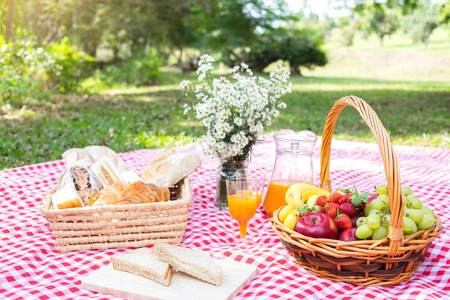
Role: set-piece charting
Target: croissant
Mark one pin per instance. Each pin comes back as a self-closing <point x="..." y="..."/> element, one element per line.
<point x="140" y="192"/>
<point x="104" y="197"/>
<point x="120" y="187"/>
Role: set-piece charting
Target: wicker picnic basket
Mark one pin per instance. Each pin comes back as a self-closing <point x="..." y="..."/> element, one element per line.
<point x="117" y="226"/>
<point x="365" y="262"/>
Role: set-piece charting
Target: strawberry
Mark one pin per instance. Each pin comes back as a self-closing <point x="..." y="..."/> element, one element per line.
<point x="343" y="221"/>
<point x="322" y="200"/>
<point x="320" y="209"/>
<point x="345" y="198"/>
<point x="337" y="194"/>
<point x="331" y="209"/>
<point x="348" y="209"/>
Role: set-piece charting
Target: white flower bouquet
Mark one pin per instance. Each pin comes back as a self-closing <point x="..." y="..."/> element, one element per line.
<point x="234" y="113"/>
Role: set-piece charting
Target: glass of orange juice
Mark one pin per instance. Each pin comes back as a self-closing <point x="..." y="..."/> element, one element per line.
<point x="242" y="201"/>
<point x="260" y="177"/>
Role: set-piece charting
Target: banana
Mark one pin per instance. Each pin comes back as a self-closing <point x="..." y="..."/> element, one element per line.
<point x="299" y="193"/>
<point x="312" y="200"/>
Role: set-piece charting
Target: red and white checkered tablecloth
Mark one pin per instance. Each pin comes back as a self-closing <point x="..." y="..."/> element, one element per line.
<point x="31" y="267"/>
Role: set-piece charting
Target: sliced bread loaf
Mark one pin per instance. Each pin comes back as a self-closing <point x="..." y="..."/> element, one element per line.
<point x="143" y="264"/>
<point x="193" y="262"/>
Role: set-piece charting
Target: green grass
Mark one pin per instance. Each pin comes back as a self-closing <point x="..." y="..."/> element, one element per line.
<point x="408" y="88"/>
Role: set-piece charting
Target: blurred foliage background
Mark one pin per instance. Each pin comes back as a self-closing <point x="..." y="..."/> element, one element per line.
<point x="60" y="59"/>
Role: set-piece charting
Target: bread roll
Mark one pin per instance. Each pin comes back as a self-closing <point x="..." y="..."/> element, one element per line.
<point x="104" y="197"/>
<point x="106" y="171"/>
<point x="96" y="153"/>
<point x="77" y="157"/>
<point x="84" y="181"/>
<point x="131" y="177"/>
<point x="66" y="197"/>
<point x="140" y="192"/>
<point x="170" y="167"/>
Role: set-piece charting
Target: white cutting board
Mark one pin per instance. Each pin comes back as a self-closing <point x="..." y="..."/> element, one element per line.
<point x="235" y="277"/>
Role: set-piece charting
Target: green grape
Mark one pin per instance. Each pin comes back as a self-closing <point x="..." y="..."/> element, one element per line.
<point x="414" y="214"/>
<point x="427" y="221"/>
<point x="366" y="210"/>
<point x="409" y="226"/>
<point x="406" y="191"/>
<point x="411" y="197"/>
<point x="373" y="221"/>
<point x="375" y="212"/>
<point x="385" y="220"/>
<point x="363" y="232"/>
<point x="361" y="221"/>
<point x="385" y="199"/>
<point x="413" y="203"/>
<point x="382" y="189"/>
<point x="378" y="204"/>
<point x="427" y="210"/>
<point x="379" y="233"/>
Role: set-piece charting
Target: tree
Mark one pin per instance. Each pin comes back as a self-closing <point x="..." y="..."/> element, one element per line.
<point x="378" y="19"/>
<point x="299" y="47"/>
<point x="9" y="23"/>
<point x="421" y="23"/>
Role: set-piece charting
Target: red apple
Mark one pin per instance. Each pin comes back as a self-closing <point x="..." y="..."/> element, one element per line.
<point x="348" y="235"/>
<point x="317" y="225"/>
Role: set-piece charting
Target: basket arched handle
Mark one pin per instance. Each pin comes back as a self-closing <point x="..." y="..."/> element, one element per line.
<point x="396" y="198"/>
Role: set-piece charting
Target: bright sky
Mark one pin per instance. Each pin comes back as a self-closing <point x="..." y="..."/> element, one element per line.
<point x="326" y="7"/>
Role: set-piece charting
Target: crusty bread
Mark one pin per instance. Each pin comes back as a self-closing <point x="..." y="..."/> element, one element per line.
<point x="171" y="166"/>
<point x="84" y="181"/>
<point x="96" y="153"/>
<point x="143" y="264"/>
<point x="77" y="157"/>
<point x="66" y="197"/>
<point x="131" y="177"/>
<point x="106" y="171"/>
<point x="191" y="261"/>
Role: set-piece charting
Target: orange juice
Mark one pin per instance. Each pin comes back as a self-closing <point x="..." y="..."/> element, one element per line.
<point x="276" y="194"/>
<point x="242" y="208"/>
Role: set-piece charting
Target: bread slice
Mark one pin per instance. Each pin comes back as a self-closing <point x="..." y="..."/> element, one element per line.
<point x="143" y="264"/>
<point x="193" y="262"/>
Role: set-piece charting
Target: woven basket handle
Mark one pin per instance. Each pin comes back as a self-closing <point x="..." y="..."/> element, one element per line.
<point x="396" y="198"/>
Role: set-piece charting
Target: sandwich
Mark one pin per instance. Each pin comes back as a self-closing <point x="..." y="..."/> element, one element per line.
<point x="143" y="264"/>
<point x="196" y="263"/>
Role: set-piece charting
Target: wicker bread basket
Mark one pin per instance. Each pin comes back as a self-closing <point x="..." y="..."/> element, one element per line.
<point x="117" y="226"/>
<point x="365" y="262"/>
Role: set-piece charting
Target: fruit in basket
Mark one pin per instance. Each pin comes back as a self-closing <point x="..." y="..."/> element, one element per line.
<point x="336" y="196"/>
<point x="385" y="220"/>
<point x="343" y="221"/>
<point x="409" y="227"/>
<point x="322" y="200"/>
<point x="355" y="219"/>
<point x="345" y="198"/>
<point x="348" y="235"/>
<point x="291" y="219"/>
<point x="427" y="221"/>
<point x="299" y="193"/>
<point x="313" y="199"/>
<point x="285" y="211"/>
<point x="361" y="221"/>
<point x="381" y="189"/>
<point x="414" y="214"/>
<point x="413" y="202"/>
<point x="427" y="210"/>
<point x="373" y="221"/>
<point x="317" y="225"/>
<point x="379" y="233"/>
<point x="348" y="209"/>
<point x="331" y="209"/>
<point x="406" y="191"/>
<point x="363" y="232"/>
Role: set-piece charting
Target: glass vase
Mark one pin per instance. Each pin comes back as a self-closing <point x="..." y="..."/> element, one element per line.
<point x="227" y="171"/>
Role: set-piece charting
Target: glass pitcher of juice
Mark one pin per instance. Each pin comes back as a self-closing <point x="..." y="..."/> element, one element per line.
<point x="293" y="164"/>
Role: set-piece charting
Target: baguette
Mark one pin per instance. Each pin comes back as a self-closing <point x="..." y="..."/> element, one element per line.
<point x="143" y="264"/>
<point x="193" y="262"/>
